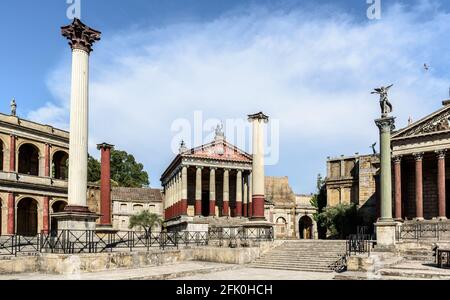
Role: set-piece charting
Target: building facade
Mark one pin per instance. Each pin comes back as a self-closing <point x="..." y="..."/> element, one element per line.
<point x="420" y="172"/>
<point x="33" y="180"/>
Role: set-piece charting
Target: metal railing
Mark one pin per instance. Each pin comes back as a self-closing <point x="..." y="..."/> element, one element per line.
<point x="429" y="231"/>
<point x="90" y="241"/>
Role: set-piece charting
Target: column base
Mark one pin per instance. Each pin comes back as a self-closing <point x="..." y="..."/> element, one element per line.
<point x="212" y="208"/>
<point x="386" y="233"/>
<point x="419" y="219"/>
<point x="76" y="218"/>
<point x="442" y="218"/>
<point x="198" y="207"/>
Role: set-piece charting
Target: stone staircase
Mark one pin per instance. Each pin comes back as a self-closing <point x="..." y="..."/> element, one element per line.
<point x="308" y="255"/>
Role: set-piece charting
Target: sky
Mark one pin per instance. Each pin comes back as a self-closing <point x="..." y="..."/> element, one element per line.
<point x="310" y="65"/>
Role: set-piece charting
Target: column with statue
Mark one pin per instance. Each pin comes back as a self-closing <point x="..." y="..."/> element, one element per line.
<point x="385" y="226"/>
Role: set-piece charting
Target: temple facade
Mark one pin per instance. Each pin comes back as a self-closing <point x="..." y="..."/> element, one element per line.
<point x="420" y="174"/>
<point x="208" y="184"/>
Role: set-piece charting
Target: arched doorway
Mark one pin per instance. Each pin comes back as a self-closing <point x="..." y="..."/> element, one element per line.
<point x="28" y="160"/>
<point x="27" y="217"/>
<point x="306" y="228"/>
<point x="281" y="227"/>
<point x="60" y="165"/>
<point x="57" y="207"/>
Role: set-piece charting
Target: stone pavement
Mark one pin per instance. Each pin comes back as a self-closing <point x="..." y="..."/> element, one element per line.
<point x="181" y="271"/>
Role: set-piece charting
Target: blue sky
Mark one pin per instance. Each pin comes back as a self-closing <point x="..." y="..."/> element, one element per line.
<point x="309" y="64"/>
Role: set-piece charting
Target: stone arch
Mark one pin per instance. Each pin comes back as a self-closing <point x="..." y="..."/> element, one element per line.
<point x="306" y="228"/>
<point x="57" y="207"/>
<point x="27" y="217"/>
<point x="60" y="165"/>
<point x="28" y="159"/>
<point x="281" y="227"/>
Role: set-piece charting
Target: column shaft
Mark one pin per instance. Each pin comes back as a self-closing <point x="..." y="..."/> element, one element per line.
<point x="198" y="192"/>
<point x="47" y="161"/>
<point x="46" y="215"/>
<point x="398" y="188"/>
<point x="11" y="213"/>
<point x="212" y="192"/>
<point x="78" y="148"/>
<point x="245" y="202"/>
<point x="184" y="192"/>
<point x="239" y="194"/>
<point x="419" y="186"/>
<point x="258" y="170"/>
<point x="226" y="193"/>
<point x="250" y="196"/>
<point x="105" y="186"/>
<point x="441" y="185"/>
<point x="385" y="125"/>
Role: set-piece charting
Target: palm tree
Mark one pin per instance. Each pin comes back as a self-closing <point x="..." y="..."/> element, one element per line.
<point x="146" y="220"/>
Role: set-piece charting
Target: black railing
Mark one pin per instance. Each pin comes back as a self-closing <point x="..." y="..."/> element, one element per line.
<point x="72" y="241"/>
<point x="428" y="231"/>
<point x="359" y="244"/>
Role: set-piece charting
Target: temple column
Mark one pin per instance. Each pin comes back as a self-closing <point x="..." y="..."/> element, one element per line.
<point x="76" y="214"/>
<point x="419" y="185"/>
<point x="398" y="187"/>
<point x="245" y="201"/>
<point x="212" y="192"/>
<point x="441" y="184"/>
<point x="171" y="197"/>
<point x="239" y="194"/>
<point x="184" y="192"/>
<point x="250" y="195"/>
<point x="226" y="193"/>
<point x="198" y="192"/>
<point x="46" y="215"/>
<point x="178" y="198"/>
<point x="258" y="165"/>
<point x="11" y="213"/>
<point x="47" y="160"/>
<point x="105" y="184"/>
<point x="12" y="153"/>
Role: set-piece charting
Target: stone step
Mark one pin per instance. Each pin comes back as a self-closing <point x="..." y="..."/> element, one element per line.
<point x="292" y="268"/>
<point x="289" y="264"/>
<point x="417" y="274"/>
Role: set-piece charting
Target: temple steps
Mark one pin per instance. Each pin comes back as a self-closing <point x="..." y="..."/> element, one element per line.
<point x="309" y="256"/>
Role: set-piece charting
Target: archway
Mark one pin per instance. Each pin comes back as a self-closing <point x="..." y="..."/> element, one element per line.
<point x="29" y="160"/>
<point x="306" y="228"/>
<point x="60" y="165"/>
<point x="1" y="213"/>
<point x="281" y="227"/>
<point x="1" y="155"/>
<point x="27" y="217"/>
<point x="57" y="207"/>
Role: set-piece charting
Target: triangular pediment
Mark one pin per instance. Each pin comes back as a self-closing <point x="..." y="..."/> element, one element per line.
<point x="437" y="122"/>
<point x="221" y="150"/>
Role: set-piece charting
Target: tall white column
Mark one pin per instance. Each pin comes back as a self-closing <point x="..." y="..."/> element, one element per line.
<point x="212" y="192"/>
<point x="258" y="164"/>
<point x="184" y="192"/>
<point x="198" y="192"/>
<point x="81" y="39"/>
<point x="226" y="193"/>
<point x="245" y="201"/>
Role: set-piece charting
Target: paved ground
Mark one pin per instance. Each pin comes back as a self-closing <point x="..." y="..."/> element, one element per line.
<point x="181" y="271"/>
<point x="245" y="273"/>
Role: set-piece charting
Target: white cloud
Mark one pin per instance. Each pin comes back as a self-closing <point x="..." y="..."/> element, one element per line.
<point x="312" y="72"/>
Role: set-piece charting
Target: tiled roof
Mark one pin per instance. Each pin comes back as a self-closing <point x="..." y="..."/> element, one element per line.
<point x="136" y="194"/>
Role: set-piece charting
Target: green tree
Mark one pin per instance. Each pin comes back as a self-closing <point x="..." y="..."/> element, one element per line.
<point x="319" y="201"/>
<point x="145" y="220"/>
<point x="93" y="169"/>
<point x="125" y="171"/>
<point x="340" y="220"/>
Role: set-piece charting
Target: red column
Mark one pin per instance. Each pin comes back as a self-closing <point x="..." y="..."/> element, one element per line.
<point x="11" y="213"/>
<point x="250" y="208"/>
<point x="47" y="160"/>
<point x="244" y="210"/>
<point x="441" y="183"/>
<point x="258" y="206"/>
<point x="12" y="153"/>
<point x="398" y="187"/>
<point x="105" y="184"/>
<point x="419" y="185"/>
<point x="46" y="215"/>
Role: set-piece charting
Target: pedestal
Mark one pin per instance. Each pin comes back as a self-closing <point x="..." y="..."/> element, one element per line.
<point x="386" y="234"/>
<point x="76" y="219"/>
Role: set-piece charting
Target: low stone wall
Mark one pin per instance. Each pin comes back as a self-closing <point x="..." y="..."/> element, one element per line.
<point x="74" y="264"/>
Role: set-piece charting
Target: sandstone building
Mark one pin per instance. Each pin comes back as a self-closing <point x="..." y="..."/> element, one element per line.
<point x="33" y="180"/>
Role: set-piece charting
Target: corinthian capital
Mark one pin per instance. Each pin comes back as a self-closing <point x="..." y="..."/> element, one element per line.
<point x="80" y="36"/>
<point x="386" y="124"/>
<point x="441" y="154"/>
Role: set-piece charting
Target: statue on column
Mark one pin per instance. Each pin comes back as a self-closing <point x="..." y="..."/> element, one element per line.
<point x="386" y="106"/>
<point x="13" y="107"/>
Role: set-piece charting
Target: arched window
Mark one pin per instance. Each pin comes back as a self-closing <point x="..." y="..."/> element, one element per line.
<point x="29" y="160"/>
<point x="27" y="217"/>
<point x="123" y="208"/>
<point x="281" y="226"/>
<point x="60" y="165"/>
